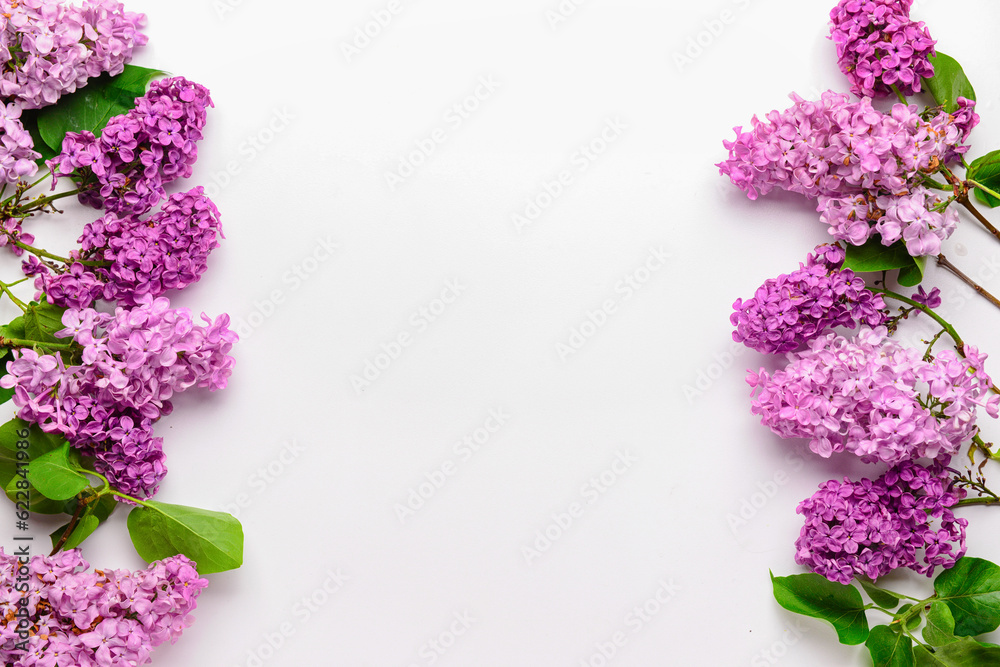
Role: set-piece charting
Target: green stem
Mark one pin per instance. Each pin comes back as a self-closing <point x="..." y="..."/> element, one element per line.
<point x="959" y="343"/>
<point x="21" y="342"/>
<point x="899" y="94"/>
<point x="45" y="201"/>
<point x="983" y="188"/>
<point x="5" y="289"/>
<point x="39" y="252"/>
<point x="930" y="345"/>
<point x="978" y="501"/>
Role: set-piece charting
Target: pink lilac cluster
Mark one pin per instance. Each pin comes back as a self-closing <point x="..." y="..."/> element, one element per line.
<point x="859" y="163"/>
<point x="141" y="257"/>
<point x="51" y="48"/>
<point x="17" y="154"/>
<point x="879" y="46"/>
<point x="790" y="310"/>
<point x="124" y="170"/>
<point x="874" y="398"/>
<point x="871" y="528"/>
<point x="132" y="363"/>
<point x="69" y="615"/>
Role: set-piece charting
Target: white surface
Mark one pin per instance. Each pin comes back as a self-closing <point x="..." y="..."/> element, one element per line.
<point x="686" y="463"/>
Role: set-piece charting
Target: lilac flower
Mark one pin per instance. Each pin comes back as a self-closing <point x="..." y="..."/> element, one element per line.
<point x="879" y="46"/>
<point x="17" y="154"/>
<point x="125" y="169"/>
<point x="148" y="257"/>
<point x="94" y="618"/>
<point x="860" y="164"/>
<point x="76" y="288"/>
<point x="132" y="363"/>
<point x="53" y="48"/>
<point x="876" y="399"/>
<point x="790" y="310"/>
<point x="931" y="300"/>
<point x="873" y="527"/>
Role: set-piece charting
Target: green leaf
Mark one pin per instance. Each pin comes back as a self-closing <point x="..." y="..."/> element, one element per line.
<point x="91" y="108"/>
<point x="41" y="321"/>
<point x="880" y="596"/>
<point x="29" y="119"/>
<point x="972" y="591"/>
<point x="87" y="524"/>
<point x="986" y="170"/>
<point x="873" y="257"/>
<point x="949" y="82"/>
<point x="56" y="474"/>
<point x="912" y="622"/>
<point x="940" y="628"/>
<point x="964" y="652"/>
<point x="889" y="648"/>
<point x="815" y="596"/>
<point x="214" y="540"/>
<point x="39" y="443"/>
<point x="911" y="276"/>
<point x="14" y="328"/>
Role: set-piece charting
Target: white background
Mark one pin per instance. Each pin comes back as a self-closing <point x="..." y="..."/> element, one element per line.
<point x="657" y="384"/>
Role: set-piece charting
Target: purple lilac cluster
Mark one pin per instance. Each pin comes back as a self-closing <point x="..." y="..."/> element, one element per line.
<point x="132" y="363"/>
<point x="859" y="163"/>
<point x="141" y="257"/>
<point x="879" y="46"/>
<point x="875" y="398"/>
<point x="873" y="527"/>
<point x="52" y="48"/>
<point x="790" y="310"/>
<point x="93" y="618"/>
<point x="124" y="170"/>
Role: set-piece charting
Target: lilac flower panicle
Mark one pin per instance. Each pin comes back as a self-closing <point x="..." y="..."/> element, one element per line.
<point x="879" y="46"/>
<point x="125" y="169"/>
<point x="858" y="163"/>
<point x="867" y="396"/>
<point x="17" y="153"/>
<point x="132" y="363"/>
<point x="53" y="48"/>
<point x="148" y="257"/>
<point x="871" y="528"/>
<point x="790" y="310"/>
<point x="93" y="618"/>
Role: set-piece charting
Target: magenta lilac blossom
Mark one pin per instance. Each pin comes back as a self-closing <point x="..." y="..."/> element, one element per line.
<point x="870" y="528"/>
<point x="790" y="310"/>
<point x="125" y="169"/>
<point x="879" y="47"/>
